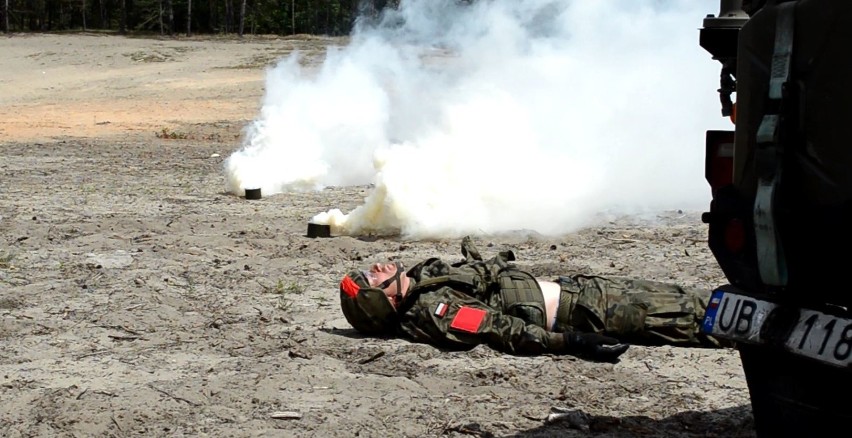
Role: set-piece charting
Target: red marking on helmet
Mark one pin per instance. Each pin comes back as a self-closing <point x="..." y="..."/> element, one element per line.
<point x="349" y="287"/>
<point x="468" y="319"/>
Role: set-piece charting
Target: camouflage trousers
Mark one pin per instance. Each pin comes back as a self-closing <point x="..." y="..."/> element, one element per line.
<point x="635" y="311"/>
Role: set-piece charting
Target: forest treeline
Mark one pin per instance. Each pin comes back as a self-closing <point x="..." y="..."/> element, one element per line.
<point x="170" y="17"/>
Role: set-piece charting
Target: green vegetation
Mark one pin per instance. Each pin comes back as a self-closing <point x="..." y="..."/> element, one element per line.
<point x="6" y="261"/>
<point x="170" y="17"/>
<point x="285" y="292"/>
<point x="172" y="135"/>
<point x="289" y="288"/>
<point x="149" y="57"/>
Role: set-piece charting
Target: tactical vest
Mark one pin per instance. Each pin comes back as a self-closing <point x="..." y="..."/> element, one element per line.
<point x="522" y="297"/>
<point x="498" y="283"/>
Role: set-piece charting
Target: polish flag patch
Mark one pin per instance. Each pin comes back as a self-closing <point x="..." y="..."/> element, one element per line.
<point x="441" y="310"/>
<point x="468" y="319"/>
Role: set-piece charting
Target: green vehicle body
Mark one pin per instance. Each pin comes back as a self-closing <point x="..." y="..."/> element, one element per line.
<point x="780" y="222"/>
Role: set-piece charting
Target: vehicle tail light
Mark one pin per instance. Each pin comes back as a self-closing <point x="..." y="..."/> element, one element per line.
<point x="719" y="159"/>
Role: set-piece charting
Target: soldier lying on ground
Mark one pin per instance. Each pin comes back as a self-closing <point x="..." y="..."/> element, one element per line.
<point x="493" y="302"/>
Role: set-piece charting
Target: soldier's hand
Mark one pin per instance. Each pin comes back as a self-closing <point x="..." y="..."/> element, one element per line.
<point x="594" y="346"/>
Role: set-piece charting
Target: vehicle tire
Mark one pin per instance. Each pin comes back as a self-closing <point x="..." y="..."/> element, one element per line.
<point x="795" y="396"/>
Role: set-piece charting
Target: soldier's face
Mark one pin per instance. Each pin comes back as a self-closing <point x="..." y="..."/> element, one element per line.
<point x="381" y="272"/>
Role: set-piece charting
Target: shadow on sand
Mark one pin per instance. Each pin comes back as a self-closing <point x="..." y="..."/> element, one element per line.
<point x="729" y="422"/>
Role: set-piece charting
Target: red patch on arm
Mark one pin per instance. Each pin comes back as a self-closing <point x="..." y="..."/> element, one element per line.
<point x="468" y="319"/>
<point x="350" y="288"/>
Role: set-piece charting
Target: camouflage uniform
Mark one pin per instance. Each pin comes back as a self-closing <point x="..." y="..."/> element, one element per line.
<point x="475" y="301"/>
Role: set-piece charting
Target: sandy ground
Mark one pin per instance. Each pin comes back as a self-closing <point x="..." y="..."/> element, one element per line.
<point x="138" y="298"/>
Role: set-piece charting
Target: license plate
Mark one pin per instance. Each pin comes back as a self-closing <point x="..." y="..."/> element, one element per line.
<point x="826" y="338"/>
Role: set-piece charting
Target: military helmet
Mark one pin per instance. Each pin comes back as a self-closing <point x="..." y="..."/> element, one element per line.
<point x="366" y="308"/>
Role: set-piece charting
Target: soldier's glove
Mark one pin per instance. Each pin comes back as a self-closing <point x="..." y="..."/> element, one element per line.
<point x="594" y="346"/>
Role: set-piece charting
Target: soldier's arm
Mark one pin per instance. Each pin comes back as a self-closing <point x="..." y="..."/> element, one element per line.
<point x="455" y="320"/>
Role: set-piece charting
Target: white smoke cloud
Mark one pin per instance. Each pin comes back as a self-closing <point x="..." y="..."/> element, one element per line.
<point x="494" y="116"/>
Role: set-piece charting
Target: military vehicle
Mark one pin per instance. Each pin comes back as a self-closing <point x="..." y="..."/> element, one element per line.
<point x="780" y="219"/>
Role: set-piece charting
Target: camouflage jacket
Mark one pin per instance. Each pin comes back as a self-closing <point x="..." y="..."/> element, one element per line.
<point x="465" y="304"/>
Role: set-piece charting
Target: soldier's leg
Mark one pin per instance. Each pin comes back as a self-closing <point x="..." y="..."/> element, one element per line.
<point x="640" y="311"/>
